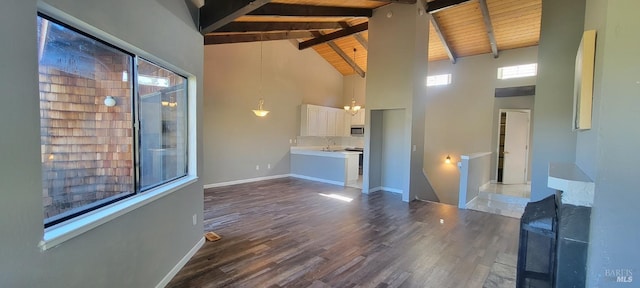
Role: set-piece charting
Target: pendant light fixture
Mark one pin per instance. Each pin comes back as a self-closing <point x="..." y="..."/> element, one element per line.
<point x="353" y="108"/>
<point x="260" y="112"/>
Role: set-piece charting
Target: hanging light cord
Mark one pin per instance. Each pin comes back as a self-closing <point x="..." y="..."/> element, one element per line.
<point x="353" y="92"/>
<point x="261" y="64"/>
<point x="261" y="112"/>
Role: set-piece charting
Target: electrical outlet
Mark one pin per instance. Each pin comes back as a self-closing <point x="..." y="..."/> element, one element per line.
<point x="290" y="141"/>
<point x="269" y="166"/>
<point x="195" y="219"/>
<point x="257" y="167"/>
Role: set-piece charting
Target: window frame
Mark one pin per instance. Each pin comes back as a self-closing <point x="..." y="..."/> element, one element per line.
<point x="79" y="222"/>
<point x="138" y="131"/>
<point x="78" y="211"/>
<point x="500" y="71"/>
<point x="449" y="79"/>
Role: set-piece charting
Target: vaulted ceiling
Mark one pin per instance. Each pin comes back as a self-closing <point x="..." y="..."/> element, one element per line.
<point x="333" y="28"/>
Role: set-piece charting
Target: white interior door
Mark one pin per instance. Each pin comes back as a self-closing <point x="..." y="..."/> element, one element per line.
<point x="516" y="141"/>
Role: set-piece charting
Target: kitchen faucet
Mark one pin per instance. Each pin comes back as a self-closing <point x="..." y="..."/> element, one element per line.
<point x="329" y="143"/>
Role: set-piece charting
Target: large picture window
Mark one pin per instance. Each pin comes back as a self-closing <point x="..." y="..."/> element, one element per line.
<point x="92" y="94"/>
<point x="163" y="124"/>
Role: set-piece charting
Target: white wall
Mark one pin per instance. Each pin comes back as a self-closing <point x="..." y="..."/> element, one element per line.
<point x="461" y="118"/>
<point x="136" y="249"/>
<point x="235" y="140"/>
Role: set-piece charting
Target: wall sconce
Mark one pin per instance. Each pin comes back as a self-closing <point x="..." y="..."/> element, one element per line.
<point x="447" y="160"/>
<point x="109" y="101"/>
<point x="171" y="103"/>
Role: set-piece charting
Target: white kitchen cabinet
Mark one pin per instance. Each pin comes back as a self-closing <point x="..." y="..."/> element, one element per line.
<point x="352" y="168"/>
<point x="331" y="122"/>
<point x="309" y="125"/>
<point x="323" y="121"/>
<point x="342" y="125"/>
<point x="338" y="123"/>
<point x="358" y="119"/>
<point x="346" y="123"/>
<point x="323" y="118"/>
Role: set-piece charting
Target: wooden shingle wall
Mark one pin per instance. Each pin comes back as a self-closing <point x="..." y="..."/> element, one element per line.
<point x="87" y="151"/>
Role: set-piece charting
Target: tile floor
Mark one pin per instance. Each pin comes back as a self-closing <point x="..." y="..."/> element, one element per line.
<point x="503" y="272"/>
<point x="517" y="190"/>
<point x="507" y="200"/>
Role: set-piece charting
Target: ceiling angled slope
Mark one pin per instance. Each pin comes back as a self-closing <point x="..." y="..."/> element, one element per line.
<point x="333" y="28"/>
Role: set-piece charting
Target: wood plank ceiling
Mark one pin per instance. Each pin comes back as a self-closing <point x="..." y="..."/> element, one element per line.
<point x="333" y="28"/>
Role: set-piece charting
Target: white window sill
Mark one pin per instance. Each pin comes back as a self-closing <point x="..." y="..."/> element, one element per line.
<point x="62" y="232"/>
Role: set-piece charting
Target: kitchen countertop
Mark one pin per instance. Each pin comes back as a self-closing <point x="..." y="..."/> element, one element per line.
<point x="335" y="152"/>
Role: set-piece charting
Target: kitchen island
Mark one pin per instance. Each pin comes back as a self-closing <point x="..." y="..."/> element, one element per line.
<point x="333" y="165"/>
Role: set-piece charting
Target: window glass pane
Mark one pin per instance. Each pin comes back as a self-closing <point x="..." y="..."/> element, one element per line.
<point x="86" y="146"/>
<point x="518" y="71"/>
<point x="436" y="80"/>
<point x="163" y="124"/>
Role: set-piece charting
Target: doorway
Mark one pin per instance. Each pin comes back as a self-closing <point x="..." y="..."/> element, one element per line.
<point x="513" y="146"/>
<point x="385" y="169"/>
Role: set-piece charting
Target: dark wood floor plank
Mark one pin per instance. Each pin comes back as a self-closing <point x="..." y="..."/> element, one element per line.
<point x="283" y="233"/>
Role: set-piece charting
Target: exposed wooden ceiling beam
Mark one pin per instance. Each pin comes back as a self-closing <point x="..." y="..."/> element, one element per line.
<point x="447" y="48"/>
<point x="294" y="42"/>
<point x="346" y="58"/>
<point x="212" y="39"/>
<point x="279" y="9"/>
<point x="362" y="41"/>
<point x="277" y="26"/>
<point x="438" y="5"/>
<point x="489" y="26"/>
<point x="333" y="36"/>
<point x="358" y="36"/>
<point x="217" y="13"/>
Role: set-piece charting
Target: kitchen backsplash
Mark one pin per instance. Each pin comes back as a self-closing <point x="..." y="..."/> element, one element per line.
<point x="346" y="141"/>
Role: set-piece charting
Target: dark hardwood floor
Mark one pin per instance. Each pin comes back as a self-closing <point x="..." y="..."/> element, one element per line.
<point x="284" y="233"/>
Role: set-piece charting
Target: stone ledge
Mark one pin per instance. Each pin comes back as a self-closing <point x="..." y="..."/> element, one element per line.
<point x="577" y="188"/>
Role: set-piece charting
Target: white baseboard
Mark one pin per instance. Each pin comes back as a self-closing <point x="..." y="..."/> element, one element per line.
<point x="466" y="206"/>
<point x="317" y="179"/>
<point x="167" y="278"/>
<point x="221" y="184"/>
<point x="388" y="189"/>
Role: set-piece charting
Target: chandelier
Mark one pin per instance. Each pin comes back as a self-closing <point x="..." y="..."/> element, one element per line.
<point x="353" y="108"/>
